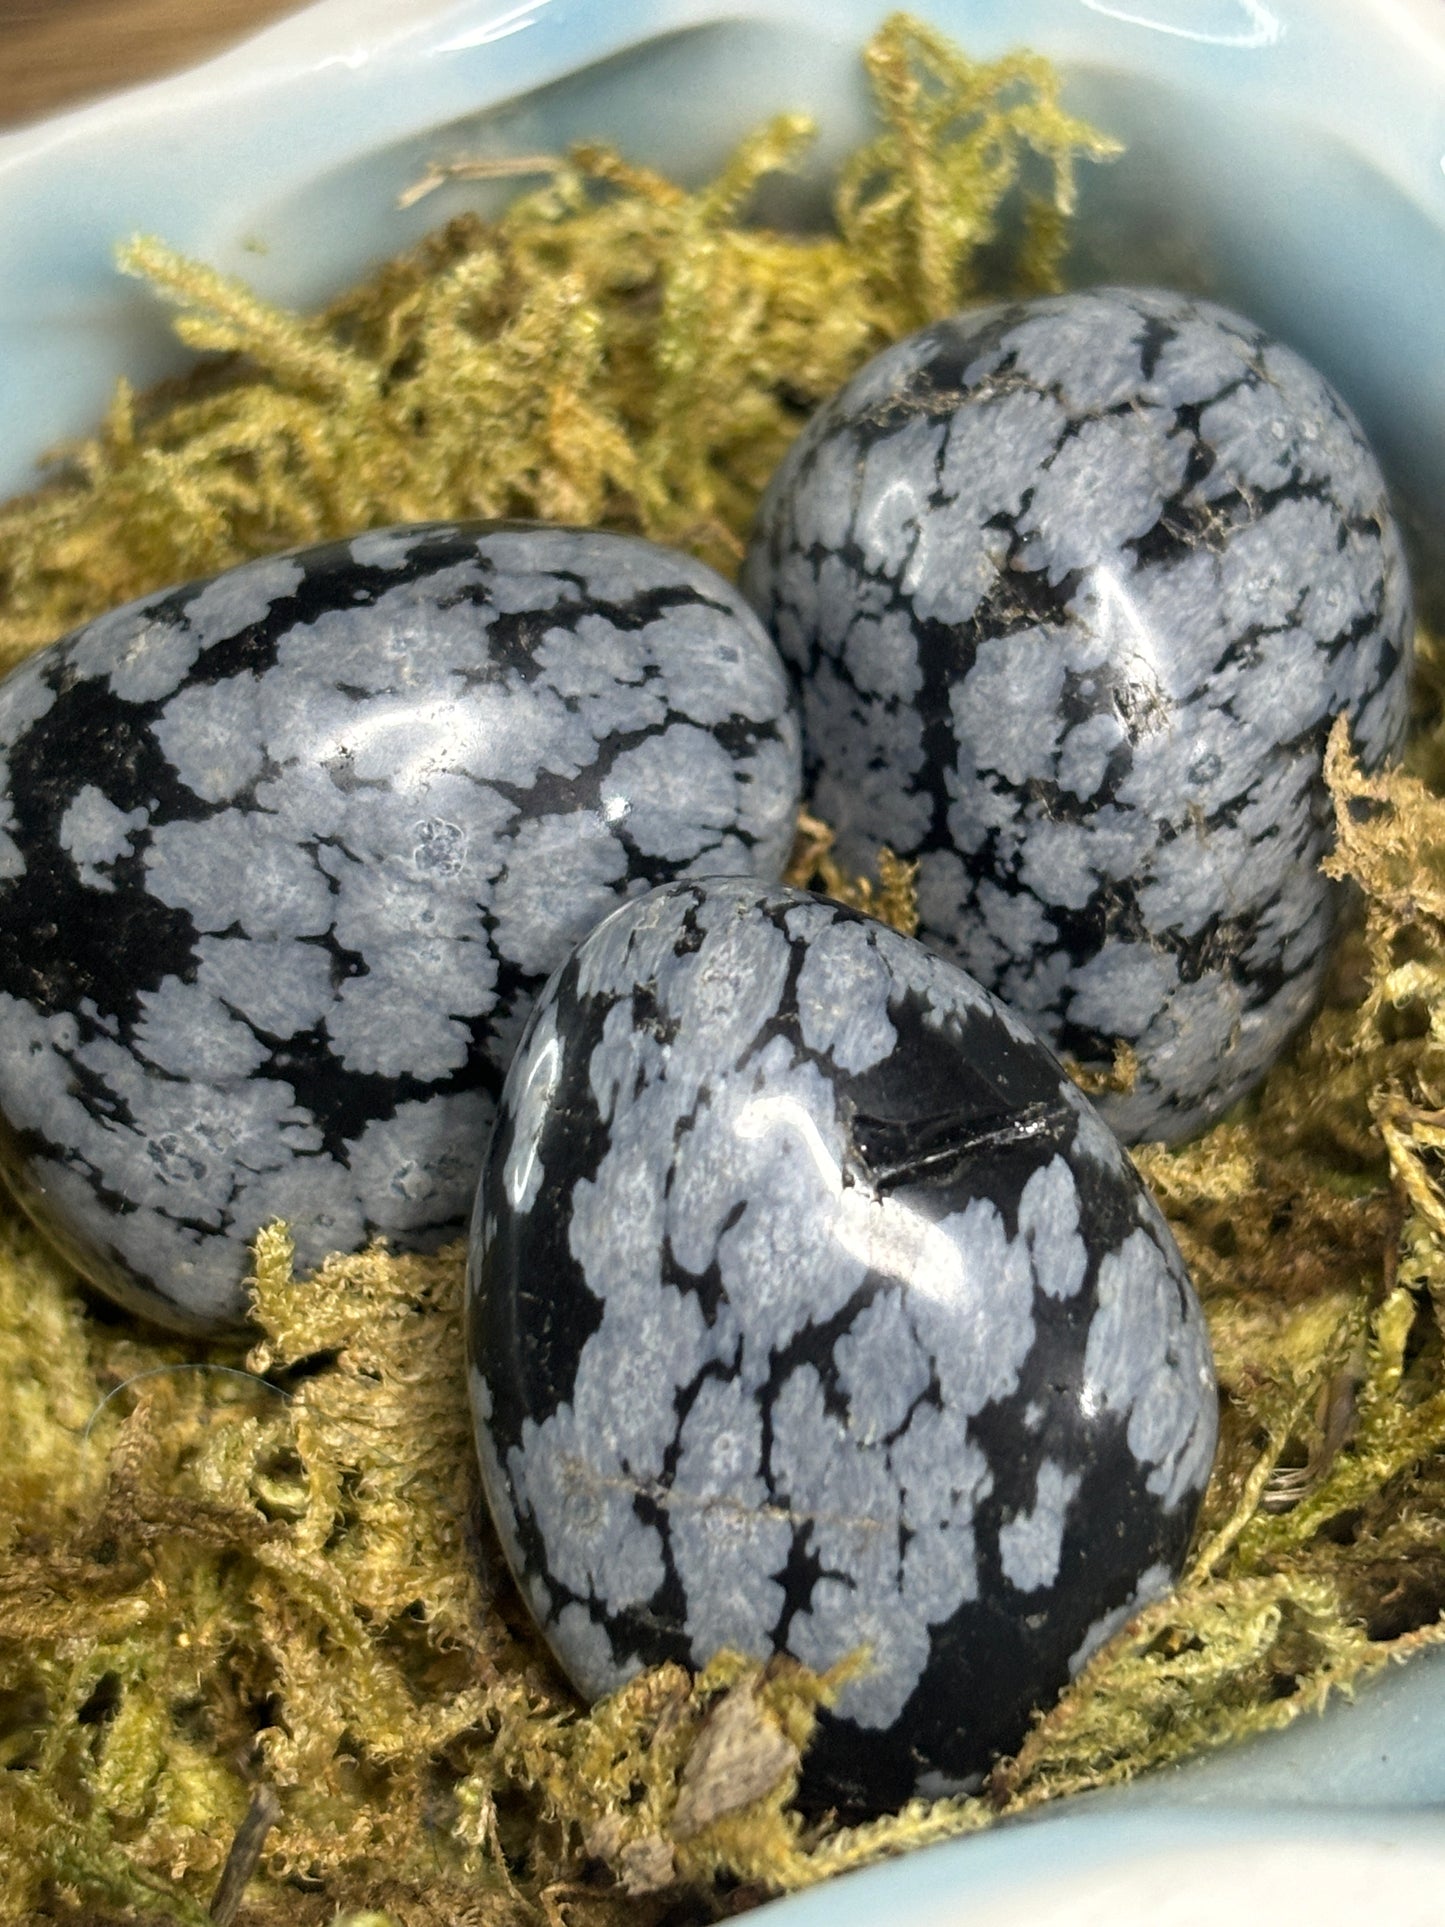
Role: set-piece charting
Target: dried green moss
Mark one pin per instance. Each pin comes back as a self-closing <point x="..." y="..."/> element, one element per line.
<point x="219" y="1571"/>
<point x="614" y="350"/>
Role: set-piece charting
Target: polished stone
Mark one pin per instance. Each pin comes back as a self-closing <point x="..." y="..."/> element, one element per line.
<point x="812" y="1308"/>
<point x="1075" y="588"/>
<point x="285" y="855"/>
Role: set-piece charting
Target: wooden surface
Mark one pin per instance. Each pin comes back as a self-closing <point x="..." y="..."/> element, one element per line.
<point x="58" y="53"/>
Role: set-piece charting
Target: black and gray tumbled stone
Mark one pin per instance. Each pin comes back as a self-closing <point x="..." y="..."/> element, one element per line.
<point x="812" y="1308"/>
<point x="1075" y="588"/>
<point x="285" y="855"/>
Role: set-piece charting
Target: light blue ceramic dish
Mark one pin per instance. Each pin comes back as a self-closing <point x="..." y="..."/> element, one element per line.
<point x="1287" y="156"/>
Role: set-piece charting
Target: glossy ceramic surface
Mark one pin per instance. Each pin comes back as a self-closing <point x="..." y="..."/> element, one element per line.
<point x="1344" y="1812"/>
<point x="1285" y="156"/>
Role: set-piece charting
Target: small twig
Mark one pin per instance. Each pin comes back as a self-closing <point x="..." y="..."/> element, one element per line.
<point x="262" y="1814"/>
<point x="505" y="167"/>
<point x="1334" y="1422"/>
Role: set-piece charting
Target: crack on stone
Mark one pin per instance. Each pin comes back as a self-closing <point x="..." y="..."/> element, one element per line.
<point x="583" y="1477"/>
<point x="889" y="1152"/>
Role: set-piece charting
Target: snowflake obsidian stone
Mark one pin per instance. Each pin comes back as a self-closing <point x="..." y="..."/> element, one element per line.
<point x="812" y="1308"/>
<point x="284" y="856"/>
<point x="1075" y="588"/>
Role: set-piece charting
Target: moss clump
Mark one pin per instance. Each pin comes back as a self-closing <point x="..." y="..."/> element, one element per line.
<point x="220" y="1572"/>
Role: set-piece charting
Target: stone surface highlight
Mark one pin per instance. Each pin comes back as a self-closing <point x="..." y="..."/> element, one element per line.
<point x="812" y="1308"/>
<point x="1075" y="588"/>
<point x="287" y="854"/>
